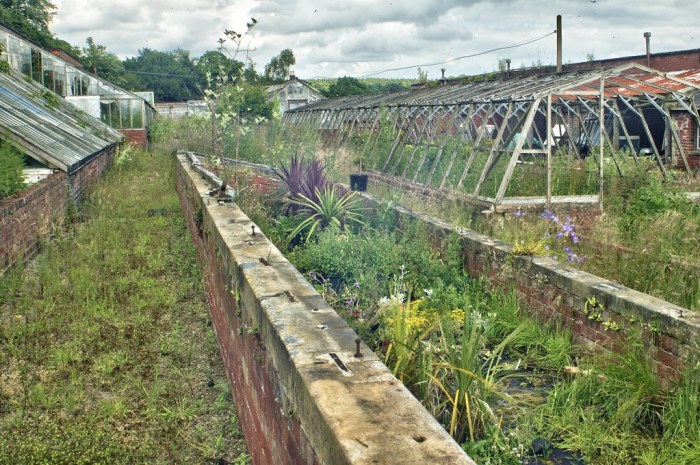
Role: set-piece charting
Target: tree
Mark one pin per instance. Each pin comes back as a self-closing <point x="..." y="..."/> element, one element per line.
<point x="345" y="86"/>
<point x="30" y="18"/>
<point x="170" y="75"/>
<point x="97" y="59"/>
<point x="219" y="66"/>
<point x="277" y="69"/>
<point x="246" y="101"/>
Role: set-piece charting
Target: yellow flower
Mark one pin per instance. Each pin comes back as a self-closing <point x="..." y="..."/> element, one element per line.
<point x="457" y="315"/>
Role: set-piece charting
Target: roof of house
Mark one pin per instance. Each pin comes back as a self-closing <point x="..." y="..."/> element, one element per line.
<point x="277" y="87"/>
<point x="49" y="129"/>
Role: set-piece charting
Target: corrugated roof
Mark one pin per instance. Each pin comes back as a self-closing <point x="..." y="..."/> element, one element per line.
<point x="630" y="81"/>
<point x="49" y="129"/>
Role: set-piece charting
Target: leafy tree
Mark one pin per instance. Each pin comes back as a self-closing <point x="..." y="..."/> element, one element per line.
<point x="97" y="59"/>
<point x="249" y="73"/>
<point x="170" y="75"/>
<point x="246" y="100"/>
<point x="219" y="66"/>
<point x="345" y="86"/>
<point x="277" y="69"/>
<point x="30" y="18"/>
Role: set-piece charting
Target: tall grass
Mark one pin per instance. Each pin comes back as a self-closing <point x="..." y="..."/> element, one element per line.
<point x="106" y="348"/>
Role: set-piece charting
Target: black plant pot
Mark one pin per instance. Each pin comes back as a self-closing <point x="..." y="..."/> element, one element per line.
<point x="358" y="182"/>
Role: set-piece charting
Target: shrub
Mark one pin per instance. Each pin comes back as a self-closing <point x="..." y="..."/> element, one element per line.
<point x="331" y="209"/>
<point x="11" y="165"/>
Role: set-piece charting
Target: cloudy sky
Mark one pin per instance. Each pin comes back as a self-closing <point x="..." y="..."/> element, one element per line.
<point x="332" y="38"/>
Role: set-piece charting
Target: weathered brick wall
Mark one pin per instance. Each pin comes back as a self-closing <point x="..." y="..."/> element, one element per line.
<point x="30" y="216"/>
<point x="278" y="340"/>
<point x="556" y="294"/>
<point x="669" y="61"/>
<point x="137" y="137"/>
<point x="86" y="176"/>
<point x="687" y="132"/>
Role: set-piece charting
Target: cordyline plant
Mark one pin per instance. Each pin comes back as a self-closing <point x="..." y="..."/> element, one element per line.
<point x="301" y="179"/>
<point x="331" y="209"/>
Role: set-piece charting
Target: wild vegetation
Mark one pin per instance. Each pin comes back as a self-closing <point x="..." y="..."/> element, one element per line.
<point x="645" y="239"/>
<point x="11" y="166"/>
<point x="107" y="354"/>
<point x="493" y="378"/>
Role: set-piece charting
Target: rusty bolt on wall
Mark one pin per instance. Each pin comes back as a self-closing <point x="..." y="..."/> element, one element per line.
<point x="358" y="354"/>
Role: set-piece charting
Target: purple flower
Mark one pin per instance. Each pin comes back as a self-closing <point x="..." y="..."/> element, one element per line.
<point x="567" y="249"/>
<point x="357" y="285"/>
<point x="574" y="238"/>
<point x="546" y="247"/>
<point x="549" y="216"/>
<point x="559" y="234"/>
<point x="518" y="213"/>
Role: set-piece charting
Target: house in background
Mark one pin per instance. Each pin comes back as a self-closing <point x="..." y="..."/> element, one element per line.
<point x="293" y="93"/>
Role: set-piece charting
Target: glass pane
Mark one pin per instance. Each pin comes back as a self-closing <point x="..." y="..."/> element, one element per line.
<point x="137" y="113"/>
<point x="36" y="67"/>
<point x="47" y="69"/>
<point x="125" y="113"/>
<point x="105" y="113"/>
<point x="59" y="78"/>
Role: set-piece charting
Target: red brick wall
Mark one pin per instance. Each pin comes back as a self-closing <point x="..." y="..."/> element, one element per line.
<point x="687" y="132"/>
<point x="138" y="137"/>
<point x="273" y="434"/>
<point x="669" y="61"/>
<point x="556" y="295"/>
<point x="28" y="217"/>
<point x="31" y="216"/>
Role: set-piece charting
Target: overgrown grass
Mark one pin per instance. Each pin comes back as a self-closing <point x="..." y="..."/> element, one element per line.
<point x="616" y="412"/>
<point x="107" y="352"/>
<point x="11" y="165"/>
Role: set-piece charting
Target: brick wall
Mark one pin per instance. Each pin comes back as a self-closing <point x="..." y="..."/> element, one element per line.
<point x="276" y="336"/>
<point x="668" y="61"/>
<point x="556" y="294"/>
<point x="30" y="216"/>
<point x="137" y="137"/>
<point x="687" y="133"/>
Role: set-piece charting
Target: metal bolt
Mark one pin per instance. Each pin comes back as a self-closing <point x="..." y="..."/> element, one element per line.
<point x="358" y="354"/>
<point x="253" y="228"/>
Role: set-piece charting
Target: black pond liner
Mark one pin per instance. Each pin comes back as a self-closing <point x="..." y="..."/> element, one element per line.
<point x="537" y="384"/>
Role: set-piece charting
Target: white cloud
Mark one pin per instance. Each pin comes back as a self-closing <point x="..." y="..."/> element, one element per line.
<point x="331" y="38"/>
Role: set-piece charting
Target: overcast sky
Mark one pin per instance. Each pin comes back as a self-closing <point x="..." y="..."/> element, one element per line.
<point x="332" y="38"/>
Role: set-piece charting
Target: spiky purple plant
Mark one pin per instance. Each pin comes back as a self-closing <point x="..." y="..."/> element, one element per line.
<point x="301" y="179"/>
